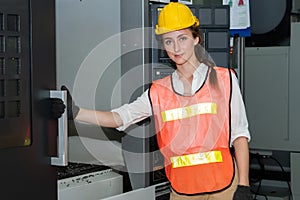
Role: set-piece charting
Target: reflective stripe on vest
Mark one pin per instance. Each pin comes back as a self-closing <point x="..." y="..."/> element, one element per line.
<point x="196" y="159"/>
<point x="189" y="111"/>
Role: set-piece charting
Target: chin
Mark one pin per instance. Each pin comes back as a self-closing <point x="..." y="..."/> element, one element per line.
<point x="180" y="61"/>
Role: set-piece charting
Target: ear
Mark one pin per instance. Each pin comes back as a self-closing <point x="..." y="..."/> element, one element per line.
<point x="196" y="41"/>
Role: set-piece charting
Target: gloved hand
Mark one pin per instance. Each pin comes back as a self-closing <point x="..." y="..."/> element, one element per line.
<point x="57" y="107"/>
<point x="242" y="193"/>
<point x="72" y="108"/>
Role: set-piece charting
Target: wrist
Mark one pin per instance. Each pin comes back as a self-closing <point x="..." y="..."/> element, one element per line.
<point x="244" y="184"/>
<point x="243" y="181"/>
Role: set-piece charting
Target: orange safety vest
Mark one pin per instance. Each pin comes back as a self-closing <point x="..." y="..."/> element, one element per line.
<point x="193" y="134"/>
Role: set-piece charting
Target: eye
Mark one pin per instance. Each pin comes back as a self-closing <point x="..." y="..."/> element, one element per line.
<point x="168" y="42"/>
<point x="182" y="38"/>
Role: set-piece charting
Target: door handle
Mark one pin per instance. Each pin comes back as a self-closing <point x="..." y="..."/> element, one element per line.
<point x="62" y="138"/>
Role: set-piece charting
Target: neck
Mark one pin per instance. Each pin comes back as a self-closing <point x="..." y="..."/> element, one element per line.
<point x="186" y="76"/>
<point x="187" y="69"/>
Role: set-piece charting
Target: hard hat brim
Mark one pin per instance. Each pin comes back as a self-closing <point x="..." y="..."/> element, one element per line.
<point x="163" y="30"/>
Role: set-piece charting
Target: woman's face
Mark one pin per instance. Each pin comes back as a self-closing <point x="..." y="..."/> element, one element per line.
<point x="180" y="45"/>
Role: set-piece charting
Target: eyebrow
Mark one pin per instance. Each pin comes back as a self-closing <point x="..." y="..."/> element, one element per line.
<point x="183" y="34"/>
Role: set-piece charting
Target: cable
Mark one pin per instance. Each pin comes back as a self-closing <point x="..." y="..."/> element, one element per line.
<point x="282" y="169"/>
<point x="260" y="194"/>
<point x="258" y="188"/>
<point x="261" y="172"/>
<point x="261" y="167"/>
<point x="266" y="197"/>
<point x="260" y="159"/>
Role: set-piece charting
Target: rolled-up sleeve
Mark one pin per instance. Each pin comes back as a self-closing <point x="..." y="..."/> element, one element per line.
<point x="134" y="112"/>
<point x="239" y="122"/>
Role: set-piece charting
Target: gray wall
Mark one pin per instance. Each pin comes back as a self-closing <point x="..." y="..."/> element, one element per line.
<point x="88" y="50"/>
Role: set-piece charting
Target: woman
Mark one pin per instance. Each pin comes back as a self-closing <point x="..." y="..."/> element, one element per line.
<point x="199" y="115"/>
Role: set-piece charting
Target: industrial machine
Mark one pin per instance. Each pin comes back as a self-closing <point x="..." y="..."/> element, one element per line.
<point x="270" y="76"/>
<point x="107" y="55"/>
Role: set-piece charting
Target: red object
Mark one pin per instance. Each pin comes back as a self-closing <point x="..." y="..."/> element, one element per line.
<point x="241" y="2"/>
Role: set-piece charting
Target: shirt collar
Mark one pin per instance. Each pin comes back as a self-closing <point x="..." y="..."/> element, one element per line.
<point x="198" y="79"/>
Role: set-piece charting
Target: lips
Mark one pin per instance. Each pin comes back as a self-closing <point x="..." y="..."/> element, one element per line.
<point x="177" y="55"/>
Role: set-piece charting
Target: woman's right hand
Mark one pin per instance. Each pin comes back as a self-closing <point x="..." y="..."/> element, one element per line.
<point x="72" y="108"/>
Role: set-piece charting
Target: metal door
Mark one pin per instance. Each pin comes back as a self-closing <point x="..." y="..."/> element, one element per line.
<point x="27" y="73"/>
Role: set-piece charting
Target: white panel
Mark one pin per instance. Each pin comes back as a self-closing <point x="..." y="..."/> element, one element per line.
<point x="91" y="186"/>
<point x="144" y="194"/>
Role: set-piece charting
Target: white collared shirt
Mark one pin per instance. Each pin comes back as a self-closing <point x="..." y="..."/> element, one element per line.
<point x="141" y="108"/>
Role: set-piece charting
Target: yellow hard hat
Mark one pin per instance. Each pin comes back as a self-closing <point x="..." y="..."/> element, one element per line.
<point x="175" y="16"/>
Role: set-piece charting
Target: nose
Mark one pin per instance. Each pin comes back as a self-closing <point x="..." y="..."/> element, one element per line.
<point x="176" y="46"/>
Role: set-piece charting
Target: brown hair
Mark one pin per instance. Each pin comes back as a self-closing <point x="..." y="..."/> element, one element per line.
<point x="202" y="55"/>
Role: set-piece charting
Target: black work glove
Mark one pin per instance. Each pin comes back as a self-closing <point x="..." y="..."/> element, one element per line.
<point x="242" y="193"/>
<point x="57" y="108"/>
<point x="72" y="108"/>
